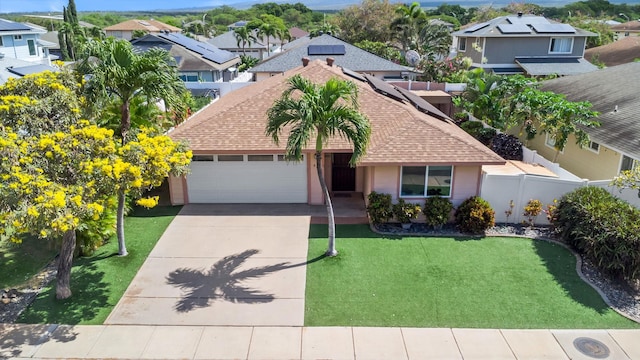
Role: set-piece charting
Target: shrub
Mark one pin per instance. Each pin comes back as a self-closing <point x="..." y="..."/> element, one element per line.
<point x="472" y="127"/>
<point x="379" y="208"/>
<point x="532" y="210"/>
<point x="507" y="146"/>
<point x="93" y="233"/>
<point x="460" y="117"/>
<point x="486" y="135"/>
<point x="603" y="228"/>
<point x="437" y="210"/>
<point x="475" y="215"/>
<point x="405" y="211"/>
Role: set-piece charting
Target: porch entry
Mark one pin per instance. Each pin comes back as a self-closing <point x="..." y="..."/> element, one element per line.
<point x="343" y="176"/>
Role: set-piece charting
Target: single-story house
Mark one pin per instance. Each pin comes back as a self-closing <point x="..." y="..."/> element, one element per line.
<point x="619" y="52"/>
<point x="125" y="29"/>
<point x="615" y="144"/>
<point x="415" y="150"/>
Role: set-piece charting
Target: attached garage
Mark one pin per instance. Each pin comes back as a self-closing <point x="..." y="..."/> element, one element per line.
<point x="253" y="178"/>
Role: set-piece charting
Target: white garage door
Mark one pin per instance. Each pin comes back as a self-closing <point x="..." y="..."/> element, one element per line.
<point x="246" y="179"/>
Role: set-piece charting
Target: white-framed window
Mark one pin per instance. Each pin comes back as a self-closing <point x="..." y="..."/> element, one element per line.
<point x="561" y="45"/>
<point x="628" y="163"/>
<point x="189" y="77"/>
<point x="462" y="44"/>
<point x="425" y="181"/>
<point x="594" y="146"/>
<point x="17" y="37"/>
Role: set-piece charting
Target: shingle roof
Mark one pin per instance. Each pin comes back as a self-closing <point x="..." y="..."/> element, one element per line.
<point x="400" y="133"/>
<point x="608" y="89"/>
<point x="354" y="58"/>
<point x="562" y="66"/>
<point x="152" y="26"/>
<point x="520" y="26"/>
<point x="633" y="25"/>
<point x="618" y="52"/>
<point x="297" y="33"/>
<point x="228" y="40"/>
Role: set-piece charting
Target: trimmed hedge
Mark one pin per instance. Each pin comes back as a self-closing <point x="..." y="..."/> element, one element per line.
<point x="603" y="228"/>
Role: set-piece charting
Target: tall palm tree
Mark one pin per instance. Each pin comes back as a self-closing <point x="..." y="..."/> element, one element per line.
<point x="407" y="25"/>
<point x="310" y="110"/>
<point x="115" y="70"/>
<point x="245" y="36"/>
<point x="269" y="31"/>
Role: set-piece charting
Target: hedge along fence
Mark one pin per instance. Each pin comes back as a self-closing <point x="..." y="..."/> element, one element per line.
<point x="603" y="228"/>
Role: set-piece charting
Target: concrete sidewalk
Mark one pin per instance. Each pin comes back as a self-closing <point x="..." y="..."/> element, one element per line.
<point x="209" y="342"/>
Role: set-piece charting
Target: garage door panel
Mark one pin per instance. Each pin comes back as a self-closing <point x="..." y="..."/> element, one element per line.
<point x="247" y="182"/>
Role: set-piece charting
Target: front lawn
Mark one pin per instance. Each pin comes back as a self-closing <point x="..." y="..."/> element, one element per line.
<point x="99" y="281"/>
<point x="448" y="282"/>
<point x="20" y="262"/>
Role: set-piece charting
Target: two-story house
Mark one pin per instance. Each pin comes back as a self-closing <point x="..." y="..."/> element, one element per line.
<point x="200" y="65"/>
<point x="22" y="41"/>
<point x="526" y="44"/>
<point x="126" y="29"/>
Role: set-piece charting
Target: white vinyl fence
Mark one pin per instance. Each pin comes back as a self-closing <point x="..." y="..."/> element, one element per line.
<point x="500" y="190"/>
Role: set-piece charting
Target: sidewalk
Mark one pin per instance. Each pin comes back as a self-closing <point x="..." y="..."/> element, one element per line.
<point x="209" y="342"/>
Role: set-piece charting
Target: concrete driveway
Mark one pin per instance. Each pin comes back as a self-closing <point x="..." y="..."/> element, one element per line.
<point x="211" y="268"/>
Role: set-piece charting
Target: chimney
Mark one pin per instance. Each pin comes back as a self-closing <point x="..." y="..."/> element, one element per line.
<point x="305" y="61"/>
<point x="519" y="13"/>
<point x="330" y="61"/>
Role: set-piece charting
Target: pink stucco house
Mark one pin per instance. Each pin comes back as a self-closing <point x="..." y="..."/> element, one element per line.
<point x="415" y="150"/>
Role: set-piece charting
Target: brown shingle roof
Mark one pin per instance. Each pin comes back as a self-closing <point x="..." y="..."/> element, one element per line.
<point x="152" y="26"/>
<point x="619" y="52"/>
<point x="633" y="25"/>
<point x="400" y="133"/>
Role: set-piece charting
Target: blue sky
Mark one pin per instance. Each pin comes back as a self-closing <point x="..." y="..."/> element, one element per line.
<point x="95" y="5"/>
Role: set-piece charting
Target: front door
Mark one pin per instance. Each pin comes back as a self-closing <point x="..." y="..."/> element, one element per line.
<point x="343" y="176"/>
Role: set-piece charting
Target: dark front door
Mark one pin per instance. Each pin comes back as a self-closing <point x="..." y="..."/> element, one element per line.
<point x="343" y="176"/>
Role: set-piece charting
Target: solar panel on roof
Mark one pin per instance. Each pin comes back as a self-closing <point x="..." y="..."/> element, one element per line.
<point x="353" y="74"/>
<point x="326" y="50"/>
<point x="514" y="29"/>
<point x="529" y="20"/>
<point x="384" y="88"/>
<point x="422" y="104"/>
<point x="476" y="27"/>
<point x="554" y="28"/>
<point x="6" y="25"/>
<point x="207" y="50"/>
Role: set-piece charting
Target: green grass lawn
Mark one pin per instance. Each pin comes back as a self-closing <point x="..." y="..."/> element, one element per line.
<point x="19" y="262"/>
<point x="98" y="281"/>
<point x="448" y="282"/>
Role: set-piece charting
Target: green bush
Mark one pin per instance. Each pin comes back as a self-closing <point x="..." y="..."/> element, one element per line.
<point x="475" y="215"/>
<point x="478" y="131"/>
<point x="404" y="211"/>
<point x="379" y="208"/>
<point x="437" y="210"/>
<point x="603" y="228"/>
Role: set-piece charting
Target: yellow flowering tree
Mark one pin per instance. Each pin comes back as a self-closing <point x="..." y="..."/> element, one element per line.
<point x="50" y="183"/>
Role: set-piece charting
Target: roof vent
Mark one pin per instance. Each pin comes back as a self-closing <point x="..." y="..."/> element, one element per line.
<point x="330" y="61"/>
<point x="1" y="56"/>
<point x="520" y="14"/>
<point x="305" y="61"/>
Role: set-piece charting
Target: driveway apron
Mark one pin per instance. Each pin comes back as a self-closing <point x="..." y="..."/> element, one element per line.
<point x="214" y="269"/>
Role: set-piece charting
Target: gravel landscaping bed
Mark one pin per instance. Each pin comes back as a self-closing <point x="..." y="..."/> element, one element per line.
<point x="619" y="295"/>
<point x="14" y="301"/>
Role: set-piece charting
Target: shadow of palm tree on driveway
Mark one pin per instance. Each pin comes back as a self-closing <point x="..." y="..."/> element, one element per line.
<point x="223" y="282"/>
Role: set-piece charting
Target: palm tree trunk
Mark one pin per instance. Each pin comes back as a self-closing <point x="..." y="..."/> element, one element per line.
<point x="122" y="248"/>
<point x="331" y="250"/>
<point x="125" y="120"/>
<point x="65" y="260"/>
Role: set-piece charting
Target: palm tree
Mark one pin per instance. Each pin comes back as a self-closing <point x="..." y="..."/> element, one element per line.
<point x="319" y="111"/>
<point x="407" y="25"/>
<point x="116" y="71"/>
<point x="245" y="36"/>
<point x="269" y="31"/>
<point x="434" y="39"/>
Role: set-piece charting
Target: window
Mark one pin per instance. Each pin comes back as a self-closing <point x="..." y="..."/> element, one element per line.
<point x="594" y="146"/>
<point x="423" y="181"/>
<point x="551" y="142"/>
<point x="230" y="157"/>
<point x="17" y="37"/>
<point x="462" y="44"/>
<point x="32" y="47"/>
<point x="561" y="45"/>
<point x="202" y="158"/>
<point x="260" y="157"/>
<point x="189" y="76"/>
<point x="281" y="158"/>
<point x="628" y="163"/>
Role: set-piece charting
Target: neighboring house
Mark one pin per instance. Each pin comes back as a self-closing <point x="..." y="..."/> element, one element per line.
<point x="227" y="41"/>
<point x="525" y="44"/>
<point x="321" y="47"/>
<point x="237" y="24"/>
<point x="22" y="41"/>
<point x="630" y="28"/>
<point x="51" y="37"/>
<point x="297" y="33"/>
<point x="615" y="145"/>
<point x="16" y="68"/>
<point x="619" y="52"/>
<point x="198" y="63"/>
<point x="415" y="151"/>
<point x="125" y="29"/>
